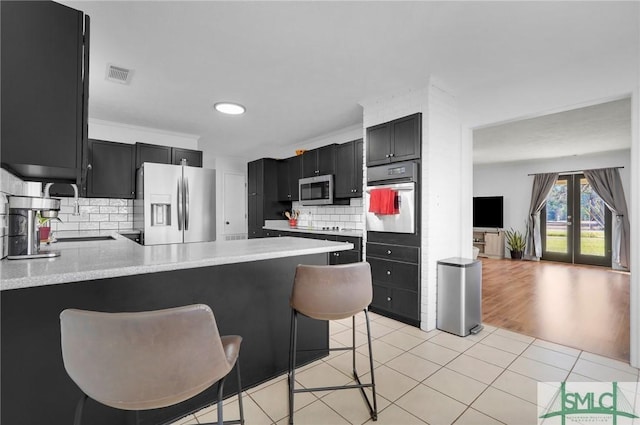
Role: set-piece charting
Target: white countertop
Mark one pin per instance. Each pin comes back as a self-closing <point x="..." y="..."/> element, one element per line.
<point x="121" y="257"/>
<point x="284" y="226"/>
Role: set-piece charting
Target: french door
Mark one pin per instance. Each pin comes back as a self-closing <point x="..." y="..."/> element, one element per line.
<point x="576" y="224"/>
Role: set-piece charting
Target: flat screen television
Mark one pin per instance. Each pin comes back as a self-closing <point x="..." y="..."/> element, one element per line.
<point x="488" y="212"/>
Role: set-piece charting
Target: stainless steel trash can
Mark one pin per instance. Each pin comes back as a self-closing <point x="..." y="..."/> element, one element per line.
<point x="459" y="309"/>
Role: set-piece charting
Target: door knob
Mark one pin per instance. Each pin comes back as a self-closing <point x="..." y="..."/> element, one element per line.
<point x="226" y="222"/>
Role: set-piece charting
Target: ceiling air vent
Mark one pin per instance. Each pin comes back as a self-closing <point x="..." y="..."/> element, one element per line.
<point x="118" y="74"/>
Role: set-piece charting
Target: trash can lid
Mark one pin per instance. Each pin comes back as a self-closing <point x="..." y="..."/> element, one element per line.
<point x="458" y="262"/>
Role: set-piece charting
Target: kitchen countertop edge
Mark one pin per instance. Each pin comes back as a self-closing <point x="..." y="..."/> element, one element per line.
<point x="125" y="257"/>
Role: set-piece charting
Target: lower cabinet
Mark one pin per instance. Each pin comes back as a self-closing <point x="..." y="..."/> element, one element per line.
<point x="395" y="270"/>
<point x="339" y="257"/>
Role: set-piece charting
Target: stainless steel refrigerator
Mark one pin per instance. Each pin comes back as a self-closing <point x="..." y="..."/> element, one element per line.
<point x="175" y="204"/>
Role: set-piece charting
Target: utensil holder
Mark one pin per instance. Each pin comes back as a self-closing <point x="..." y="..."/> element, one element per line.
<point x="293" y="222"/>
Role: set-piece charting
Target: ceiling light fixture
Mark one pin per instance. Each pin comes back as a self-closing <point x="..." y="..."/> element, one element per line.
<point x="229" y="108"/>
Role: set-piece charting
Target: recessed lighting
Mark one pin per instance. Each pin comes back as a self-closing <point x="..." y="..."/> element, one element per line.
<point x="229" y="108"/>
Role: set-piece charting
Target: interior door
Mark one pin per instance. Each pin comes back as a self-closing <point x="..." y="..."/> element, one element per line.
<point x="576" y="224"/>
<point x="233" y="204"/>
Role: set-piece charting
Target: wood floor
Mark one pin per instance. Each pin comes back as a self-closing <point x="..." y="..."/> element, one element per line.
<point x="585" y="307"/>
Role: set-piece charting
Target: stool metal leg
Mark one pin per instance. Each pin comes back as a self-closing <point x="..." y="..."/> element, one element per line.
<point x="239" y="392"/>
<point x="220" y="389"/>
<point x="77" y="419"/>
<point x="293" y="339"/>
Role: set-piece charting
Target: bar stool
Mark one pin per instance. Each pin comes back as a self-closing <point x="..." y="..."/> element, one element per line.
<point x="332" y="293"/>
<point x="149" y="359"/>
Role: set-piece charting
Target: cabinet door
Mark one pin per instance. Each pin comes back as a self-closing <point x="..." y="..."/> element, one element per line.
<point x="326" y="160"/>
<point x="146" y="152"/>
<point x="194" y="158"/>
<point x="381" y="298"/>
<point x="112" y="170"/>
<point x="255" y="177"/>
<point x="344" y="176"/>
<point x="284" y="194"/>
<point x="358" y="169"/>
<point x="255" y="212"/>
<point x="42" y="89"/>
<point x="344" y="257"/>
<point x="378" y="144"/>
<point x="494" y="244"/>
<point x="406" y="138"/>
<point x="295" y="174"/>
<point x="405" y="303"/>
<point x="310" y="163"/>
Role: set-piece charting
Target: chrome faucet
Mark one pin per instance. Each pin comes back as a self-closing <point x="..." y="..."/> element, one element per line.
<point x="76" y="204"/>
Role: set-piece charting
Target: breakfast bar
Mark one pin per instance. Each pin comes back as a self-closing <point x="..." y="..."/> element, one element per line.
<point x="247" y="283"/>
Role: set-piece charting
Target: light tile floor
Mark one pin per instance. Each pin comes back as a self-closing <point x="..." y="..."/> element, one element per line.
<point x="425" y="378"/>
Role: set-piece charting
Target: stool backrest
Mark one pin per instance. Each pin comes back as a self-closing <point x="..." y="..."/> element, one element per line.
<point x="143" y="360"/>
<point x="332" y="292"/>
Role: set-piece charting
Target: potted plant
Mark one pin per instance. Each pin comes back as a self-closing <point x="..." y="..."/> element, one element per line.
<point x="516" y="243"/>
<point x="43" y="225"/>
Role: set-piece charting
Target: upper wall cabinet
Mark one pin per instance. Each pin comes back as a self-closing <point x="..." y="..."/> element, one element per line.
<point x="192" y="158"/>
<point x="289" y="173"/>
<point x="111" y="170"/>
<point x="348" y="177"/>
<point x="45" y="55"/>
<point x="318" y="162"/>
<point x="394" y="141"/>
<point x="146" y="152"/>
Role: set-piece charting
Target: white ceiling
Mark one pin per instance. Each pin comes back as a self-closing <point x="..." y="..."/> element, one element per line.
<point x="599" y="128"/>
<point x="302" y="68"/>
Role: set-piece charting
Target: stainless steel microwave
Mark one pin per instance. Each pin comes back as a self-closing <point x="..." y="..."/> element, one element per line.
<point x="316" y="190"/>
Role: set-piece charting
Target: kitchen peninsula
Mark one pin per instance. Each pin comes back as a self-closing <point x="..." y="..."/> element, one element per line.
<point x="247" y="283"/>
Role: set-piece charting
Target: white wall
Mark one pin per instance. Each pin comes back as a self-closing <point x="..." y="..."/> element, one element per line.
<point x="512" y="180"/>
<point x="124" y="133"/>
<point x="445" y="170"/>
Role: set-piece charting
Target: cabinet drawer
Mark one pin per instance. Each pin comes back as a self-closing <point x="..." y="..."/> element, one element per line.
<point x="357" y="242"/>
<point x="397" y="301"/>
<point x="407" y="254"/>
<point x="344" y="257"/>
<point x="394" y="274"/>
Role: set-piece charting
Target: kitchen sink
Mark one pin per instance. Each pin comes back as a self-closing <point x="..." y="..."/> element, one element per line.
<point x="85" y="238"/>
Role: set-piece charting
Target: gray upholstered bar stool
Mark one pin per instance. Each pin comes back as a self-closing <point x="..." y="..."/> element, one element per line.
<point x="147" y="360"/>
<point x="332" y="293"/>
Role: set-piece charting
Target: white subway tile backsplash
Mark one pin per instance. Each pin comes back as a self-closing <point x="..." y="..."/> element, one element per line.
<point x="99" y="217"/>
<point x="89" y="225"/>
<point x="118" y="202"/>
<point x="67" y="226"/>
<point x="118" y="217"/>
<point x="125" y="225"/>
<point x="108" y="225"/>
<point x="98" y="201"/>
<point x="108" y="210"/>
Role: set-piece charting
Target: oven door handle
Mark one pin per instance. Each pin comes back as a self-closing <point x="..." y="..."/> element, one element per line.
<point x="397" y="186"/>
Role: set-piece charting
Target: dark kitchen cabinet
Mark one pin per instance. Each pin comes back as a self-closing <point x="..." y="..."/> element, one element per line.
<point x="319" y="162"/>
<point x="262" y="195"/>
<point x="395" y="271"/>
<point x="348" y="177"/>
<point x="146" y="152"/>
<point x="45" y="64"/>
<point x="193" y="158"/>
<point x="289" y="173"/>
<point x="111" y="170"/>
<point x="394" y="141"/>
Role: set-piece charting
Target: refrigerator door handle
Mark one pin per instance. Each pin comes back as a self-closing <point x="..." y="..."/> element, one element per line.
<point x="179" y="204"/>
<point x="186" y="203"/>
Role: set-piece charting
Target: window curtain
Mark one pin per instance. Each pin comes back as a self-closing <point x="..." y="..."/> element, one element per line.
<point x="607" y="184"/>
<point x="542" y="185"/>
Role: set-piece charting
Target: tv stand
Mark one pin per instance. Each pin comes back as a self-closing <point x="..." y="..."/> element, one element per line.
<point x="489" y="242"/>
